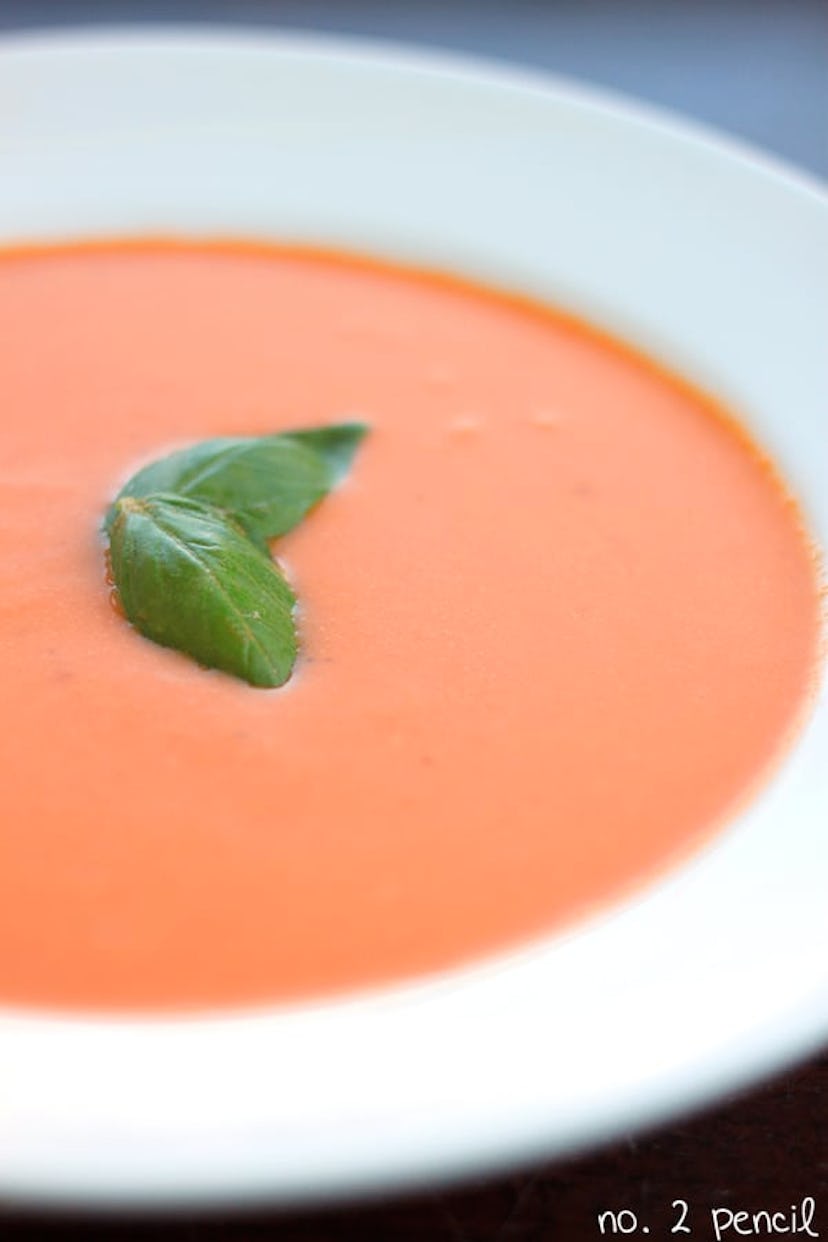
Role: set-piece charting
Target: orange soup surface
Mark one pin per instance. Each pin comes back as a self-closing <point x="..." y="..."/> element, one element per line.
<point x="555" y="627"/>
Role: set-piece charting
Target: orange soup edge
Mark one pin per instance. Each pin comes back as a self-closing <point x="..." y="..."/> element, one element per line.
<point x="557" y="626"/>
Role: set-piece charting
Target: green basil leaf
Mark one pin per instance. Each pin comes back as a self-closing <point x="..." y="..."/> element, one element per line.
<point x="267" y="483"/>
<point x="189" y="578"/>
<point x="336" y="445"/>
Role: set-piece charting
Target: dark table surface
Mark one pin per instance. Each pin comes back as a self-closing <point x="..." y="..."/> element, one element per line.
<point x="759" y="69"/>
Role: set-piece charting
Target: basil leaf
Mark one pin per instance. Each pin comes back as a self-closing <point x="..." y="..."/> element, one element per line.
<point x="336" y="445"/>
<point x="189" y="578"/>
<point x="189" y="550"/>
<point x="267" y="483"/>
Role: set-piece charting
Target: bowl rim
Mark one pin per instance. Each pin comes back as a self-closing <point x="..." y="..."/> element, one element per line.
<point x="411" y="54"/>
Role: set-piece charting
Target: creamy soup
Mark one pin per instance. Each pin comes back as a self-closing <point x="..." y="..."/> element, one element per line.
<point x="555" y="627"/>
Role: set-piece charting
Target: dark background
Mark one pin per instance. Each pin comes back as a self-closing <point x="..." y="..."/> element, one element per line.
<point x="758" y="69"/>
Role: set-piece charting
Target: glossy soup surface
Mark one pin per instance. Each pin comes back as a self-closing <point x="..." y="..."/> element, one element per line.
<point x="555" y="627"/>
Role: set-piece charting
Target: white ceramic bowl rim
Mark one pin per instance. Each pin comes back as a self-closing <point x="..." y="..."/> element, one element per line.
<point x="714" y="259"/>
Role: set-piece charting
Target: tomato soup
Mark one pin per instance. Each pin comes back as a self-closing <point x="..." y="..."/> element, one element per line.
<point x="555" y="627"/>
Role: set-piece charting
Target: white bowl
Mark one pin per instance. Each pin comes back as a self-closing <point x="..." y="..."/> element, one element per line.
<point x="707" y="255"/>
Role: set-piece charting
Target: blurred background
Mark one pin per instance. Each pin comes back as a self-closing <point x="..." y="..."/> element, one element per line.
<point x="759" y="70"/>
